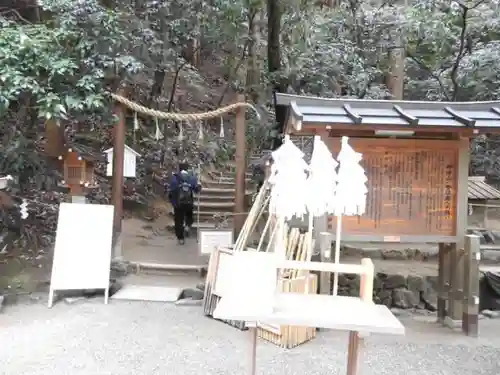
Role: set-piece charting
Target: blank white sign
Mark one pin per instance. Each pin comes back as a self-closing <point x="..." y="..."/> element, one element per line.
<point x="82" y="253"/>
<point x="213" y="239"/>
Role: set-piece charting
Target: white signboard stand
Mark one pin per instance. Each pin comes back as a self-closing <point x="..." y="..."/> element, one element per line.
<point x="213" y="239"/>
<point x="82" y="253"/>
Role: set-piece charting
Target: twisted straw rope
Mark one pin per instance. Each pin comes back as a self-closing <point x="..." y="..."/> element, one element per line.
<point x="181" y="116"/>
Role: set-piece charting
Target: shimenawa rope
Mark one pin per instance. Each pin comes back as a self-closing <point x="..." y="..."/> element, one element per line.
<point x="182" y="116"/>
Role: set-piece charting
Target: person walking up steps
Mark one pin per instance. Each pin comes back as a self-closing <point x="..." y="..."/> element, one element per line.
<point x="181" y="191"/>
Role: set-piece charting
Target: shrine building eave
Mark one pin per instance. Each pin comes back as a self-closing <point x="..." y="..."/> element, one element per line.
<point x="308" y="111"/>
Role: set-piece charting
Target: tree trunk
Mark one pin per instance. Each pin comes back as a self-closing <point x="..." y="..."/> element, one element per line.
<point x="396" y="78"/>
<point x="274" y="15"/>
<point x="253" y="73"/>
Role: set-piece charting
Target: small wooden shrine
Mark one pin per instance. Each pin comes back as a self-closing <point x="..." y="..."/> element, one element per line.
<point x="77" y="165"/>
<point x="416" y="157"/>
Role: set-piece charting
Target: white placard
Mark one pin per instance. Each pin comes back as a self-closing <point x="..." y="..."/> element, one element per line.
<point x="223" y="276"/>
<point x="82" y="253"/>
<point x="214" y="239"/>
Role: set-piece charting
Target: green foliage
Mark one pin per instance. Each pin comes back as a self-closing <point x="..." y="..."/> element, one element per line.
<point x="60" y="65"/>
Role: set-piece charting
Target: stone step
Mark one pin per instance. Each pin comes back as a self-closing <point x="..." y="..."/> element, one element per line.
<point x="217" y="184"/>
<point x="217" y="190"/>
<point x="216" y="206"/>
<point x="209" y="215"/>
<point x="215" y="198"/>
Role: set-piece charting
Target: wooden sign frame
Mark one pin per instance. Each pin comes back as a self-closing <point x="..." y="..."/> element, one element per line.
<point x="413" y="190"/>
<point x="207" y="236"/>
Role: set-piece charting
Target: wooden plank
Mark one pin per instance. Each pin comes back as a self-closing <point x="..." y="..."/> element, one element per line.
<point x="412" y="187"/>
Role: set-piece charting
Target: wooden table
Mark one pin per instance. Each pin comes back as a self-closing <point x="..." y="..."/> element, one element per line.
<point x="321" y="311"/>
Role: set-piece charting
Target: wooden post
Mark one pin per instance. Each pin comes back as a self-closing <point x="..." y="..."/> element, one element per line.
<point x="118" y="158"/>
<point x="471" y="286"/>
<point x="456" y="263"/>
<point x="443" y="281"/>
<point x="239" y="194"/>
<point x="355" y="339"/>
<point x="326" y="256"/>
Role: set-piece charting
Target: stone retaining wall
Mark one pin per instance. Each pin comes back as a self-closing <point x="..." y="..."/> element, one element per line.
<point x="404" y="292"/>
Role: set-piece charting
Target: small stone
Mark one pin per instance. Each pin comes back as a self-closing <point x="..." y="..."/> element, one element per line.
<point x="192" y="293"/>
<point x="189" y="302"/>
<point x="200" y="286"/>
<point x="404" y="298"/>
<point x="415" y="283"/>
<point x="385" y="297"/>
<point x="394" y="255"/>
<point x="72" y="300"/>
<point x="491" y="314"/>
<point x="395" y="281"/>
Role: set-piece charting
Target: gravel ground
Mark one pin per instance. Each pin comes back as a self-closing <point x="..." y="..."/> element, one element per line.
<point x="139" y="338"/>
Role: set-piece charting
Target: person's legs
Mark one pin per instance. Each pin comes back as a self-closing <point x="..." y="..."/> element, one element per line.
<point x="188" y="217"/>
<point x="179" y="223"/>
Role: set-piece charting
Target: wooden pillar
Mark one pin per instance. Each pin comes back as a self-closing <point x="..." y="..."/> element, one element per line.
<point x="356" y="339"/>
<point x="326" y="256"/>
<point x="472" y="256"/>
<point x="443" y="281"/>
<point x="118" y="158"/>
<point x="239" y="194"/>
<point x="456" y="261"/>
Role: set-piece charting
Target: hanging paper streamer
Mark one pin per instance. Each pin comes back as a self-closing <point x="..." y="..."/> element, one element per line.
<point x="136" y="122"/>
<point x="351" y="188"/>
<point x="221" y="132"/>
<point x="181" y="131"/>
<point x="158" y="134"/>
<point x="200" y="134"/>
<point x="289" y="182"/>
<point x="322" y="179"/>
<point x="350" y="194"/>
<point x="136" y="126"/>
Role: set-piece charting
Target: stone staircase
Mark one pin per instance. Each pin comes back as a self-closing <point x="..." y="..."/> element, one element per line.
<point x="214" y="206"/>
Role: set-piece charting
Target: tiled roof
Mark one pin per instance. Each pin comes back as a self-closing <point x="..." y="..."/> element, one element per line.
<point x="399" y="113"/>
<point x="479" y="189"/>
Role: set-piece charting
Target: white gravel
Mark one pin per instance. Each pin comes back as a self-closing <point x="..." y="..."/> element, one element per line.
<point x="139" y="338"/>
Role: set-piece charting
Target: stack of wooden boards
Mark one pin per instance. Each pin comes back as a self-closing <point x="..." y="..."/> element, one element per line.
<point x="298" y="248"/>
<point x="292" y="281"/>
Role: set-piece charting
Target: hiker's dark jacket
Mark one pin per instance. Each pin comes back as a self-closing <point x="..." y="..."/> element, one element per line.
<point x="174" y="184"/>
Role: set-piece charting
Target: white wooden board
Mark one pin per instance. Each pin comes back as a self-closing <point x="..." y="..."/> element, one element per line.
<point x="223" y="275"/>
<point x="82" y="253"/>
<point x="213" y="239"/>
<point x="313" y="310"/>
<point x="253" y="280"/>
<point x="148" y="293"/>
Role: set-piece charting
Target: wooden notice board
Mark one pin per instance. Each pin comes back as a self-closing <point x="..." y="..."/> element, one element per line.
<point x="412" y="187"/>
